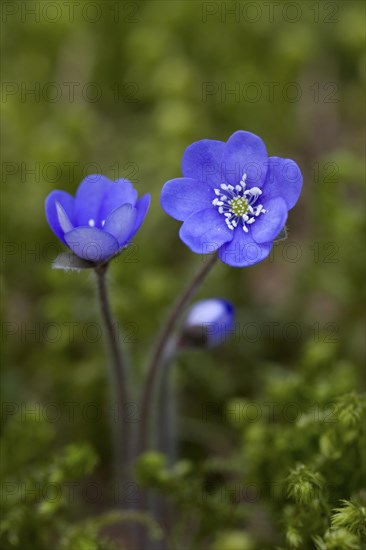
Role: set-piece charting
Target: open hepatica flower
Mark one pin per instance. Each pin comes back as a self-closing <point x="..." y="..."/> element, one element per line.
<point x="101" y="220"/>
<point x="232" y="198"/>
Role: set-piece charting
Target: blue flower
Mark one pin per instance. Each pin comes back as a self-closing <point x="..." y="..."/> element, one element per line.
<point x="232" y="198"/>
<point x="208" y="323"/>
<point x="102" y="218"/>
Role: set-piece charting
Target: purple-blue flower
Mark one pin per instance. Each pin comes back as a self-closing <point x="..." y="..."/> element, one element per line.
<point x="232" y="198"/>
<point x="102" y="218"/>
<point x="208" y="322"/>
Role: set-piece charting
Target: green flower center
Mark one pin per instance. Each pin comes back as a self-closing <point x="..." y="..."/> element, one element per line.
<point x="236" y="204"/>
<point x="239" y="206"/>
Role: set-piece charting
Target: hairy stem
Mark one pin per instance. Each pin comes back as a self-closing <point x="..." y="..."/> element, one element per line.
<point x="166" y="406"/>
<point x="158" y="355"/>
<point x="121" y="428"/>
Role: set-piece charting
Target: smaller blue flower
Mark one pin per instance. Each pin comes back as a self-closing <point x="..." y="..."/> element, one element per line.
<point x="232" y="198"/>
<point x="208" y="323"/>
<point x="101" y="220"/>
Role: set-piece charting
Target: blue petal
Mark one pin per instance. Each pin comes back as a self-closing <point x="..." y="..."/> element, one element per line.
<point x="268" y="225"/>
<point x="214" y="316"/>
<point x="120" y="223"/>
<point x="182" y="197"/>
<point x="205" y="231"/>
<point x="120" y="192"/>
<point x="245" y="153"/>
<point x="284" y="179"/>
<point x="202" y="161"/>
<point x="91" y="243"/>
<point x="63" y="218"/>
<point x="242" y="251"/>
<point x="67" y="203"/>
<point x="223" y="327"/>
<point x="142" y="206"/>
<point x="89" y="197"/>
<point x="212" y="310"/>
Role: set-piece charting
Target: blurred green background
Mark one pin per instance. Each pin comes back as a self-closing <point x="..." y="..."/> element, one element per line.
<point x="121" y="88"/>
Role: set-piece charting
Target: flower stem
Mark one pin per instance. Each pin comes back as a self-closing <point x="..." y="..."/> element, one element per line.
<point x="158" y="355"/>
<point x="166" y="407"/>
<point x="121" y="428"/>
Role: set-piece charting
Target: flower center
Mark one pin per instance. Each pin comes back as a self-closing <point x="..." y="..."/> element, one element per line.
<point x="239" y="206"/>
<point x="236" y="204"/>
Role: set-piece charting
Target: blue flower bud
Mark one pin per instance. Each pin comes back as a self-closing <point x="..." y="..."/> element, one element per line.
<point x="100" y="221"/>
<point x="208" y="323"/>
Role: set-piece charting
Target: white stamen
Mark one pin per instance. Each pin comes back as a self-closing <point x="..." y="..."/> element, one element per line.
<point x="237" y="207"/>
<point x="253" y="191"/>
